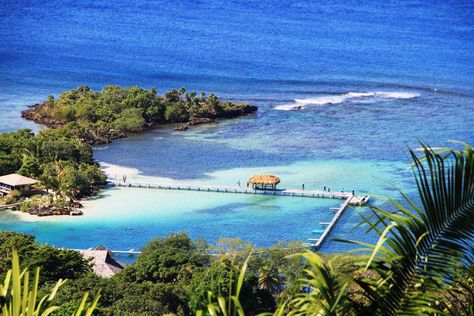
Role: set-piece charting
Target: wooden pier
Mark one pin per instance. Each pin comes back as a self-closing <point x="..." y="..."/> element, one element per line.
<point x="312" y="242"/>
<point x="348" y="198"/>
<point x="127" y="252"/>
<point x="318" y="241"/>
<point x="356" y="200"/>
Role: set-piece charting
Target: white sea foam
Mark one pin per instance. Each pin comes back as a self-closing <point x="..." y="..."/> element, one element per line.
<point x="118" y="171"/>
<point x="350" y="96"/>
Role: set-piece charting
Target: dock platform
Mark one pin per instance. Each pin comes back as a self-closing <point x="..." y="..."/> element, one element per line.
<point x="316" y="243"/>
<point x="355" y="200"/>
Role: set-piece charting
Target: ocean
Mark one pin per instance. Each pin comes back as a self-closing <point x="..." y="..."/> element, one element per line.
<point x="371" y="80"/>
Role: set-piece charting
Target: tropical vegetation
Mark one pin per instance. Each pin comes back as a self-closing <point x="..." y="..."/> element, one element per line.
<point x="98" y="117"/>
<point x="19" y="297"/>
<point x="63" y="164"/>
<point x="422" y="263"/>
<point x="61" y="156"/>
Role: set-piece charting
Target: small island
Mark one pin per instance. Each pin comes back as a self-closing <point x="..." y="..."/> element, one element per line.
<point x="99" y="117"/>
<point x="60" y="159"/>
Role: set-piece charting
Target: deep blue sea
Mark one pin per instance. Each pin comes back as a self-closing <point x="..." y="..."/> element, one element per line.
<point x="370" y="78"/>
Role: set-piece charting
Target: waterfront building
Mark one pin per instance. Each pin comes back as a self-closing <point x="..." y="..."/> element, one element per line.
<point x="15" y="181"/>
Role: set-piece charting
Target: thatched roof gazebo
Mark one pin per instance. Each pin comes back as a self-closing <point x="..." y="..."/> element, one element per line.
<point x="263" y="182"/>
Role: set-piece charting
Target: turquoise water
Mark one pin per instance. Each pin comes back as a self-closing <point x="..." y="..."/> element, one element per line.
<point x="371" y="79"/>
<point x="125" y="218"/>
<point x="208" y="215"/>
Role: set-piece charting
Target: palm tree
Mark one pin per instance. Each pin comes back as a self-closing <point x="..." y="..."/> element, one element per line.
<point x="230" y="306"/>
<point x="421" y="248"/>
<point x="20" y="298"/>
<point x="322" y="293"/>
<point x="424" y="253"/>
<point x="269" y="279"/>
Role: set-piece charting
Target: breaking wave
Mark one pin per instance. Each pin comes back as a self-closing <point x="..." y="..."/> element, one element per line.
<point x="350" y="96"/>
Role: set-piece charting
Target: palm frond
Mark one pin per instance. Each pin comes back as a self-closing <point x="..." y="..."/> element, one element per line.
<point x="323" y="292"/>
<point x="419" y="245"/>
<point x="220" y="306"/>
<point x="20" y="298"/>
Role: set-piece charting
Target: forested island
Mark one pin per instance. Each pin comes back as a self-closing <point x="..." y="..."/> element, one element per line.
<point x="61" y="157"/>
<point x="99" y="117"/>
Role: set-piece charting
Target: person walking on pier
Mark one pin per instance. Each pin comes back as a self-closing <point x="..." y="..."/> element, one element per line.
<point x="302" y="186"/>
<point x="238" y="183"/>
<point x="324" y="188"/>
<point x="353" y="193"/>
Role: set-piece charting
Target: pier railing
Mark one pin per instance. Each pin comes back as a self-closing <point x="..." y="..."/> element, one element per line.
<point x="232" y="189"/>
<point x="349" y="199"/>
<point x="329" y="225"/>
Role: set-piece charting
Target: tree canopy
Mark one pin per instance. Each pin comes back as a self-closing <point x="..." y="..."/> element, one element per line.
<point x="99" y="117"/>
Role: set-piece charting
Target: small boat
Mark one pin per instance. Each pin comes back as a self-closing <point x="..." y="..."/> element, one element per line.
<point x="360" y="201"/>
<point x="318" y="231"/>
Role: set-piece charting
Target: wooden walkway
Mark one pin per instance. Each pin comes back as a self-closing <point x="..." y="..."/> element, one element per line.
<point x="317" y="242"/>
<point x="312" y="242"/>
<point x="128" y="252"/>
<point x="241" y="190"/>
<point x="348" y="198"/>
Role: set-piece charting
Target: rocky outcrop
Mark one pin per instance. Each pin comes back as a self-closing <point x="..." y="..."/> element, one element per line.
<point x="99" y="138"/>
<point x="54" y="211"/>
<point x="36" y="114"/>
<point x="181" y="128"/>
<point x="73" y="208"/>
<point x="230" y="110"/>
<point x="202" y="120"/>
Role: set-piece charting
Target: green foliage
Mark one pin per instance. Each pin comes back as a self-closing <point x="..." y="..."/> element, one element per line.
<point x="20" y="298"/>
<point x="229" y="305"/>
<point x="12" y="148"/>
<point x="176" y="113"/>
<point x="54" y="263"/>
<point x="170" y="259"/>
<point x="323" y="293"/>
<point x="61" y="161"/>
<point x="9" y="163"/>
<point x="13" y="196"/>
<point x="130" y="119"/>
<point x="72" y="179"/>
<point x="121" y="297"/>
<point x="421" y="248"/>
<point x="129" y="109"/>
<point x="30" y="167"/>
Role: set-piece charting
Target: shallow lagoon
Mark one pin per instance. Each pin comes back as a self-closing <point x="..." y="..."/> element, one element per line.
<point x="124" y="218"/>
<point x="367" y="93"/>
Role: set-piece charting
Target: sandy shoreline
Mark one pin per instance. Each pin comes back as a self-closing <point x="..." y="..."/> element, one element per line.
<point x="27" y="217"/>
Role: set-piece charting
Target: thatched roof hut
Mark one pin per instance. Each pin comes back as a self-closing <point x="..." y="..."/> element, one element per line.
<point x="264" y="181"/>
<point x="104" y="264"/>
